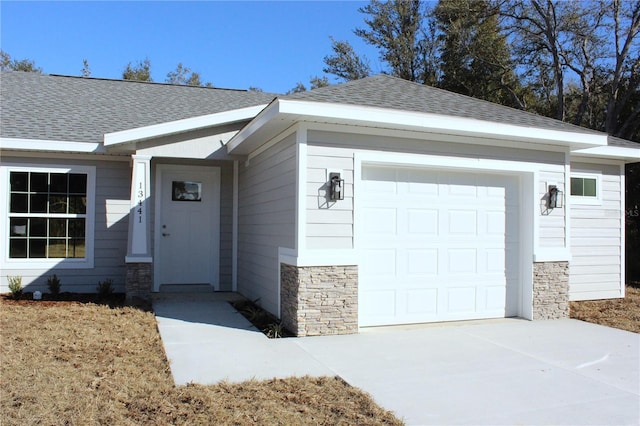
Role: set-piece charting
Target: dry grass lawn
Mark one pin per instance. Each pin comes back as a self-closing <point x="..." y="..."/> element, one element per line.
<point x="619" y="313"/>
<point x="81" y="364"/>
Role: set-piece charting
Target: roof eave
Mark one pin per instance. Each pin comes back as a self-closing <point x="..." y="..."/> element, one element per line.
<point x="625" y="154"/>
<point x="281" y="114"/>
<point x="40" y="145"/>
<point x="180" y="126"/>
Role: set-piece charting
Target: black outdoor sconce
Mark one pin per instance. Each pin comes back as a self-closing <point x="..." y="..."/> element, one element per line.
<point x="555" y="197"/>
<point x="336" y="187"/>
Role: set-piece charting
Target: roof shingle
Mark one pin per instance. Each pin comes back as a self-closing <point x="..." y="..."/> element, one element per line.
<point x="50" y="107"/>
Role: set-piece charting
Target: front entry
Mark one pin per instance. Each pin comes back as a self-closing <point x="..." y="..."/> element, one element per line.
<point x="187" y="225"/>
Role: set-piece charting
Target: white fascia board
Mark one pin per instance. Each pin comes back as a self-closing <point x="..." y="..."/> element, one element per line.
<point x="438" y="123"/>
<point x="628" y="154"/>
<point x="261" y="119"/>
<point x="292" y="110"/>
<point x="179" y="126"/>
<point x="50" y="145"/>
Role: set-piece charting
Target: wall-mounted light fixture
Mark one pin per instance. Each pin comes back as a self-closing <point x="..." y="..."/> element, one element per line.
<point x="555" y="197"/>
<point x="336" y="187"/>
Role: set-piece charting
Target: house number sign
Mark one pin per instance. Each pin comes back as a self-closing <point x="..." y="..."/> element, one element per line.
<point x="139" y="198"/>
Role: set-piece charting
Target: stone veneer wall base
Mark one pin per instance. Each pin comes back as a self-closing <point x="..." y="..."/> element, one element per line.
<point x="138" y="282"/>
<point x="319" y="300"/>
<point x="550" y="290"/>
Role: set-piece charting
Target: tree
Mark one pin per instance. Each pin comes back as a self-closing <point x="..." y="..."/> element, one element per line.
<point x="345" y="63"/>
<point x="298" y="88"/>
<point x="475" y="58"/>
<point x="139" y="72"/>
<point x="404" y="43"/>
<point x="317" y="82"/>
<point x="86" y="71"/>
<point x="623" y="104"/>
<point x="26" y="65"/>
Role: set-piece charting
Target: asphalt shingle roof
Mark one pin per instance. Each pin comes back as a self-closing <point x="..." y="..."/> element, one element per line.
<point x="50" y="107"/>
<point x="384" y="91"/>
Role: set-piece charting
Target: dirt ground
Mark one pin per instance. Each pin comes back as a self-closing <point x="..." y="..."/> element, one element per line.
<point x="80" y="363"/>
<point x="619" y="313"/>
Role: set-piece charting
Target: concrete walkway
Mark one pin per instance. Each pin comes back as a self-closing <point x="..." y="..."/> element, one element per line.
<point x="505" y="371"/>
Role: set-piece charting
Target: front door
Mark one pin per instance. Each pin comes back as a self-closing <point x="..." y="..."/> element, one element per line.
<point x="187" y="225"/>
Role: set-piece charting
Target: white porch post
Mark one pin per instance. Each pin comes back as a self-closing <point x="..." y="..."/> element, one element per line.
<point x="139" y="260"/>
<point x="139" y="245"/>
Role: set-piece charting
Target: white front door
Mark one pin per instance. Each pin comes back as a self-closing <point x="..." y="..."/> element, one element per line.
<point x="436" y="246"/>
<point x="187" y="225"/>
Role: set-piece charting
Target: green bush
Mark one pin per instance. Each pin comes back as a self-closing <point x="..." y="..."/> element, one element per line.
<point x="15" y="286"/>
<point x="53" y="282"/>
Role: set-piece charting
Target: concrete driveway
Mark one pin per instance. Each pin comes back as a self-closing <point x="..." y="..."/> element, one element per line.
<point x="505" y="371"/>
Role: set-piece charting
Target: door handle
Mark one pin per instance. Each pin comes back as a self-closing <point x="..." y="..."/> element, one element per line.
<point x="164" y="234"/>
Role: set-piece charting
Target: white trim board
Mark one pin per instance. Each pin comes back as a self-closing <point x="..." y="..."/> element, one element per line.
<point x="50" y="145"/>
<point x="179" y="126"/>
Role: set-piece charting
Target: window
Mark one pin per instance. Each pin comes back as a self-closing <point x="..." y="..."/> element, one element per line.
<point x="585" y="188"/>
<point x="48" y="215"/>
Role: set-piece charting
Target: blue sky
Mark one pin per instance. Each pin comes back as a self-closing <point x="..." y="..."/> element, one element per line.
<point x="267" y="44"/>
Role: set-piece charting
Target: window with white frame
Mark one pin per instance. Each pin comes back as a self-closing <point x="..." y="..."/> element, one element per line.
<point x="49" y="215"/>
<point x="585" y="188"/>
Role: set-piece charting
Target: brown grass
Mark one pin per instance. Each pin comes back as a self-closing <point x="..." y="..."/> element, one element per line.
<point x="80" y="364"/>
<point x="618" y="313"/>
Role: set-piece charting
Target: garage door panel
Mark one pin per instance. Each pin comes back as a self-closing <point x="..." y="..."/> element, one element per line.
<point x="448" y="240"/>
<point x="494" y="222"/>
<point x="379" y="304"/>
<point x="422" y="302"/>
<point x="494" y="298"/>
<point x="422" y="262"/>
<point x="461" y="300"/>
<point x="463" y="222"/>
<point x="462" y="261"/>
<point x="494" y="260"/>
<point x="423" y="221"/>
<point x="380" y="262"/>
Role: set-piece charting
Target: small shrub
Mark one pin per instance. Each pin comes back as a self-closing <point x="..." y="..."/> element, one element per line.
<point x="274" y="330"/>
<point x="15" y="286"/>
<point x="53" y="282"/>
<point x="105" y="288"/>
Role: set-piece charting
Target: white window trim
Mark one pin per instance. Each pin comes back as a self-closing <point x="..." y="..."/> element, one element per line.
<point x="69" y="263"/>
<point x="586" y="200"/>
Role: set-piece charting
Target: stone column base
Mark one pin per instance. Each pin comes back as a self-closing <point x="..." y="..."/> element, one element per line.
<point x="319" y="300"/>
<point x="550" y="290"/>
<point x="138" y="282"/>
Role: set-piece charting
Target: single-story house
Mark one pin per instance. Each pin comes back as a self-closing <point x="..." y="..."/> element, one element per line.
<point x="373" y="202"/>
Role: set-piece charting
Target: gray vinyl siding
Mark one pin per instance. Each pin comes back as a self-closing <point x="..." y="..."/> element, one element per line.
<point x="552" y="224"/>
<point x="110" y="230"/>
<point x="331" y="226"/>
<point x="329" y="223"/>
<point x="595" y="270"/>
<point x="266" y="220"/>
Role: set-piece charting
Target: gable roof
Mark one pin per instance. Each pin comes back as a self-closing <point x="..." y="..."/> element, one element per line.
<point x="77" y="109"/>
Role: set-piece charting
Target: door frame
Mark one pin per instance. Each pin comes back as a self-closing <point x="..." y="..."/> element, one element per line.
<point x="161" y="170"/>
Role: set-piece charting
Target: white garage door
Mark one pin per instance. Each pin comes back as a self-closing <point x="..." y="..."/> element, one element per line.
<point x="436" y="246"/>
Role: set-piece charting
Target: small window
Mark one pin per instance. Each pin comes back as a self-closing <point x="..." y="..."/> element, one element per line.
<point x="585" y="188"/>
